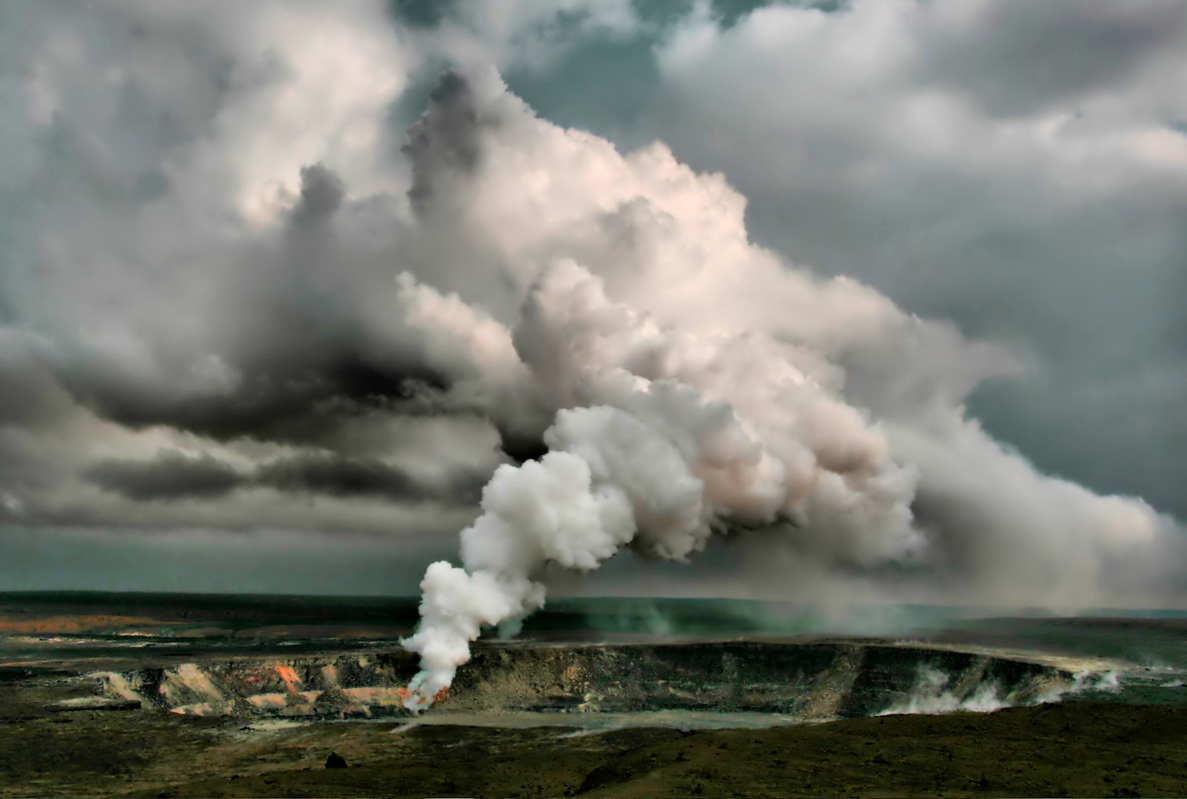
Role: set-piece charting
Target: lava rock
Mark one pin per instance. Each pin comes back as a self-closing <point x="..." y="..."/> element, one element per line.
<point x="335" y="760"/>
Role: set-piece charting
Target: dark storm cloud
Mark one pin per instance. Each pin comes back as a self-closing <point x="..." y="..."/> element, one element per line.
<point x="339" y="476"/>
<point x="296" y="397"/>
<point x="169" y="476"/>
<point x="172" y="475"/>
<point x="276" y="401"/>
<point x="523" y="446"/>
<point x="303" y="355"/>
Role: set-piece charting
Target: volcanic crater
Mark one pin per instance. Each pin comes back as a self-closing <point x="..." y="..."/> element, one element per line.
<point x="796" y="681"/>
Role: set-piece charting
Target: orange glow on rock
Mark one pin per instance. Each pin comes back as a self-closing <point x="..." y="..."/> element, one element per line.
<point x="291" y="680"/>
<point x="418" y="701"/>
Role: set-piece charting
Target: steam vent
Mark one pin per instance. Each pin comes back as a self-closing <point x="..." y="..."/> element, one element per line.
<point x="797" y="681"/>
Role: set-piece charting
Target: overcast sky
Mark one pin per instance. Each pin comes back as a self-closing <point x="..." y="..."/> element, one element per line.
<point x="271" y="287"/>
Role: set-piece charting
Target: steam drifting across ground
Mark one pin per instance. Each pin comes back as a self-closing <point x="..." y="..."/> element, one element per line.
<point x="692" y="383"/>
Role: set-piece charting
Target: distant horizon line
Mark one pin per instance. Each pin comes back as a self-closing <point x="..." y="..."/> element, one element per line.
<point x="78" y="593"/>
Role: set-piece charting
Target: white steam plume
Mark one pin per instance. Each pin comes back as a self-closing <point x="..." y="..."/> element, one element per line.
<point x="696" y="382"/>
<point x="608" y="478"/>
<point x="653" y="461"/>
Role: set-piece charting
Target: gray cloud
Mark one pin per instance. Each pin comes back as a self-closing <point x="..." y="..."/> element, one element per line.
<point x="235" y="259"/>
<point x="170" y="475"/>
<point x="1011" y="166"/>
<point x="219" y="280"/>
<point x="445" y="138"/>
<point x="288" y="358"/>
<point x="352" y="477"/>
<point x="29" y="392"/>
<point x="1016" y="58"/>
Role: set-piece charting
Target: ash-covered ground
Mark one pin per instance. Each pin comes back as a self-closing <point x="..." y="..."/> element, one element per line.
<point x="181" y="695"/>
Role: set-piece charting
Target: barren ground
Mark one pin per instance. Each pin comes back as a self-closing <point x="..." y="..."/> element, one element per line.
<point x="1071" y="749"/>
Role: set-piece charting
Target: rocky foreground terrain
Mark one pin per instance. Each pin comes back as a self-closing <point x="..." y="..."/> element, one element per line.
<point x="224" y="698"/>
<point x="533" y="720"/>
<point x="1072" y="749"/>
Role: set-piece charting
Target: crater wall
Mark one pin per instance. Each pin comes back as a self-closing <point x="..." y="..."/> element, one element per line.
<point x="805" y="681"/>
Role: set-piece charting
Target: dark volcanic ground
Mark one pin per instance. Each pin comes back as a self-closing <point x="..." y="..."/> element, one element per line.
<point x="284" y="683"/>
<point x="1072" y="749"/>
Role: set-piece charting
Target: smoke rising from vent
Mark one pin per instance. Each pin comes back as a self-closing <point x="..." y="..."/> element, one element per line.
<point x="697" y="385"/>
<point x="235" y="298"/>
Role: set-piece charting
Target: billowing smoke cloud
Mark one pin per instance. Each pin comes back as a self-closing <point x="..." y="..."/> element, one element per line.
<point x="699" y="384"/>
<point x="227" y="282"/>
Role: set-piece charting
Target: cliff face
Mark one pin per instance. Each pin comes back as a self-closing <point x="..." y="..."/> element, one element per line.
<point x="806" y="681"/>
